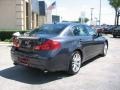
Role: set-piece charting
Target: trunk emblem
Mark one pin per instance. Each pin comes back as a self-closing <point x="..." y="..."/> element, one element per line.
<point x="27" y="44"/>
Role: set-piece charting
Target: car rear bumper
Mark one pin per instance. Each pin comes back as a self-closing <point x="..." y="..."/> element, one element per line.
<point x="58" y="63"/>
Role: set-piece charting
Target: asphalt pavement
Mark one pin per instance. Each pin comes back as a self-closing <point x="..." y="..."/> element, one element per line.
<point x="100" y="73"/>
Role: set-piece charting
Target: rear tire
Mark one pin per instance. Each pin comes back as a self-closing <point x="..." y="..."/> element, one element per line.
<point x="75" y="63"/>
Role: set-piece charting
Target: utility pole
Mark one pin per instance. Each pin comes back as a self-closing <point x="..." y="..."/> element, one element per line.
<point x="100" y="14"/>
<point x="91" y="15"/>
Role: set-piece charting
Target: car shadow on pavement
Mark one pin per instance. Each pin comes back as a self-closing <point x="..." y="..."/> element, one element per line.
<point x="30" y="75"/>
<point x="35" y="76"/>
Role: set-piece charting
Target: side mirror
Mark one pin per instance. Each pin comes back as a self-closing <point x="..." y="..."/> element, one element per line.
<point x="95" y="36"/>
<point x="99" y="34"/>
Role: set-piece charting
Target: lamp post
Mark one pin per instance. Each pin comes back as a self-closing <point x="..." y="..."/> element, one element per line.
<point x="100" y="14"/>
<point x="91" y="15"/>
<point x="118" y="17"/>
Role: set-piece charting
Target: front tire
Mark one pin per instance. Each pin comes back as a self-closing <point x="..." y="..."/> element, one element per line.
<point x="105" y="49"/>
<point x="75" y="63"/>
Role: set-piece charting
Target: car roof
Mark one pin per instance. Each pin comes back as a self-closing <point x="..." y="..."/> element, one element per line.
<point x="70" y="23"/>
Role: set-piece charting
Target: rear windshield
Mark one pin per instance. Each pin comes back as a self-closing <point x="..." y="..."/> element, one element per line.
<point x="49" y="29"/>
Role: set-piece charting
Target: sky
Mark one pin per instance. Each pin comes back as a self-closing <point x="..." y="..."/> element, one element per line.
<point x="71" y="10"/>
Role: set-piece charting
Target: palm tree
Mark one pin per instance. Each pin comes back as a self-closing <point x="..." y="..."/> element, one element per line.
<point x="116" y="5"/>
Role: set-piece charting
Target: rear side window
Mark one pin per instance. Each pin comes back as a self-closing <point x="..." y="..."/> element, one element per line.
<point x="49" y="29"/>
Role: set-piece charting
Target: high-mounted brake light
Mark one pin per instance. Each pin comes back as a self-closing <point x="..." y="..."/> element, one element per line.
<point x="48" y="45"/>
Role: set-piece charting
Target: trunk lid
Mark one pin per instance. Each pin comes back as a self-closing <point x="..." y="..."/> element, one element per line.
<point x="27" y="44"/>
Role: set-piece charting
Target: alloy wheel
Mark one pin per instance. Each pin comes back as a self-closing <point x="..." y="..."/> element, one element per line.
<point x="105" y="49"/>
<point x="76" y="62"/>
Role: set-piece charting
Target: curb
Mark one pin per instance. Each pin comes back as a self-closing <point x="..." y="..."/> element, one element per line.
<point x="5" y="43"/>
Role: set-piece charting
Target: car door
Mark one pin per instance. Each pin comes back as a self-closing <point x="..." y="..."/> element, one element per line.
<point x="85" y="40"/>
<point x="97" y="41"/>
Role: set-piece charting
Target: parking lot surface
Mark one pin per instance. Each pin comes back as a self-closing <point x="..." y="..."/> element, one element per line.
<point x="100" y="73"/>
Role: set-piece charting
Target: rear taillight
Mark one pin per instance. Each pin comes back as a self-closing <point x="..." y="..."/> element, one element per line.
<point x="16" y="43"/>
<point x="48" y="45"/>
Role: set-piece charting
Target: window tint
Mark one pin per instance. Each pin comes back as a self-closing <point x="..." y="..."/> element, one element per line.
<point x="49" y="29"/>
<point x="90" y="30"/>
<point x="79" y="31"/>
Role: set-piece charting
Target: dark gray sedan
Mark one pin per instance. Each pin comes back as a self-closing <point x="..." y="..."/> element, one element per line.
<point x="58" y="47"/>
<point x="116" y="31"/>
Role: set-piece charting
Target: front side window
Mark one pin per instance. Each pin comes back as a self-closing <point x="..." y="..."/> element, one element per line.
<point x="79" y="31"/>
<point x="90" y="31"/>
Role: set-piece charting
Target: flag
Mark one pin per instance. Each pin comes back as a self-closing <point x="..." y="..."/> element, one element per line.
<point x="52" y="6"/>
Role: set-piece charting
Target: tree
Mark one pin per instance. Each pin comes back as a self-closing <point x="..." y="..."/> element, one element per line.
<point x="116" y="5"/>
<point x="85" y="20"/>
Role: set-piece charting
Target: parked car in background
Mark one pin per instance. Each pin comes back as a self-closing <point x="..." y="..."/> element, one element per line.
<point x="58" y="47"/>
<point x="116" y="32"/>
<point x="109" y="29"/>
<point x="97" y="28"/>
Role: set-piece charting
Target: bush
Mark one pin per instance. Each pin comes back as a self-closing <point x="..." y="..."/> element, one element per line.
<point x="8" y="40"/>
<point x="7" y="35"/>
